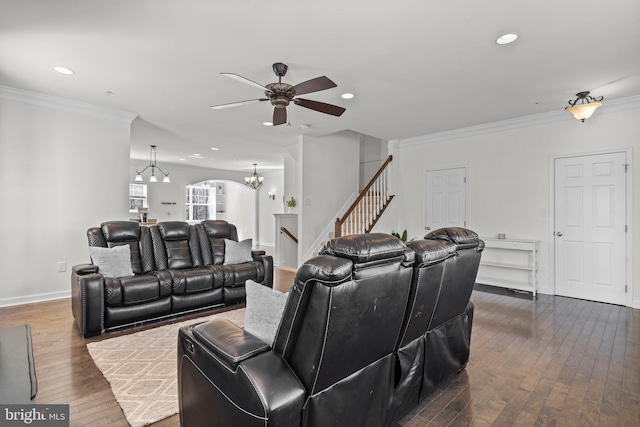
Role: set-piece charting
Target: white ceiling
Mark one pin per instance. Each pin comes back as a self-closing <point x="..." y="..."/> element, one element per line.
<point x="416" y="67"/>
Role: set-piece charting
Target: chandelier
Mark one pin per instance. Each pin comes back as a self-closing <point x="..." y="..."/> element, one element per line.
<point x="583" y="110"/>
<point x="153" y="165"/>
<point x="254" y="181"/>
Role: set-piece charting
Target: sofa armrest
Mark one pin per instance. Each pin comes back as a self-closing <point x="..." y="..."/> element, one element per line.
<point x="256" y="253"/>
<point x="84" y="269"/>
<point x="261" y="390"/>
<point x="87" y="299"/>
<point x="267" y="261"/>
<point x="227" y="342"/>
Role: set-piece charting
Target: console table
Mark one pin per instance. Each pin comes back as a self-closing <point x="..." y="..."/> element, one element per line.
<point x="510" y="263"/>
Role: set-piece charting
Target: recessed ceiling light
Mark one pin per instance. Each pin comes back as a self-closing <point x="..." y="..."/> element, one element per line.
<point x="347" y="95"/>
<point x="215" y="148"/>
<point x="63" y="70"/>
<point x="267" y="123"/>
<point x="507" y="38"/>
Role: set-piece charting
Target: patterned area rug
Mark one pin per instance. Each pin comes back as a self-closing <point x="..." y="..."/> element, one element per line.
<point x="142" y="369"/>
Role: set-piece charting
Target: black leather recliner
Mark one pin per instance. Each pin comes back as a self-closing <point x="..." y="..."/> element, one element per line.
<point x="356" y="336"/>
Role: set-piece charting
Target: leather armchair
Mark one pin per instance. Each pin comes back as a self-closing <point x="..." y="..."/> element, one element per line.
<point x="370" y="328"/>
<point x="337" y="338"/>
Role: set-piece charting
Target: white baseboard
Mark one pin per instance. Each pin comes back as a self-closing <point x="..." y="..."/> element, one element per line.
<point x="28" y="299"/>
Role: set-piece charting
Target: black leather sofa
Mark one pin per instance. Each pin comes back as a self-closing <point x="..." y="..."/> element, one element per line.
<point x="178" y="268"/>
<point x="370" y="328"/>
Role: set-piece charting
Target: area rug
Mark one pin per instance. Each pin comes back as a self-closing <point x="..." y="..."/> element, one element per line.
<point x="142" y="369"/>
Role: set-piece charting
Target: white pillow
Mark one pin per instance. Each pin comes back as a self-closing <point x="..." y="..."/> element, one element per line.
<point x="112" y="262"/>
<point x="237" y="252"/>
<point x="263" y="310"/>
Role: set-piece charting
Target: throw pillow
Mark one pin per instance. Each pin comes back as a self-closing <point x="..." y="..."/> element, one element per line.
<point x="264" y="307"/>
<point x="112" y="262"/>
<point x="237" y="252"/>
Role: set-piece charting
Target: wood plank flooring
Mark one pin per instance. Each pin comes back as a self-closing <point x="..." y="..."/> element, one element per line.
<point x="549" y="361"/>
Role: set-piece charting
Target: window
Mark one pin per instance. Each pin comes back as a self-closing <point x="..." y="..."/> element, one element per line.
<point x="200" y="201"/>
<point x="137" y="197"/>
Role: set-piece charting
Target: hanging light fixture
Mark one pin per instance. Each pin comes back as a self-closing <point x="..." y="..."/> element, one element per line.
<point x="153" y="165"/>
<point x="254" y="181"/>
<point x="583" y="110"/>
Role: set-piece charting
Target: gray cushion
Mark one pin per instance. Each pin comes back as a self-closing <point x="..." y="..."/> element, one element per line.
<point x="263" y="311"/>
<point x="112" y="262"/>
<point x="237" y="252"/>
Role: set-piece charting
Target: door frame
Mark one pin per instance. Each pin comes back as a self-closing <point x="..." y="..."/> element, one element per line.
<point x="628" y="216"/>
<point x="424" y="192"/>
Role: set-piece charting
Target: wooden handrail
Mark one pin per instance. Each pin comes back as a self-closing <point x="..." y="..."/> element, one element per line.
<point x="288" y="233"/>
<point x="363" y="193"/>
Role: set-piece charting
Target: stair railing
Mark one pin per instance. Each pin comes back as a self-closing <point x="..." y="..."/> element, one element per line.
<point x="365" y="211"/>
<point x="288" y="233"/>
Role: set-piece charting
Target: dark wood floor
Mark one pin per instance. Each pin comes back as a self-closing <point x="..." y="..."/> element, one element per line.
<point x="552" y="361"/>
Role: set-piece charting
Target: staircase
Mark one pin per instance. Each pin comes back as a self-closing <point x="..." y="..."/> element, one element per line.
<point x="370" y="204"/>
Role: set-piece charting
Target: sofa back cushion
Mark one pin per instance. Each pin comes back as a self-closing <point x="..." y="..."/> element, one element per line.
<point x="459" y="274"/>
<point x="338" y="318"/>
<point x="212" y="234"/>
<point x="428" y="270"/>
<point x="175" y="246"/>
<point x="118" y="233"/>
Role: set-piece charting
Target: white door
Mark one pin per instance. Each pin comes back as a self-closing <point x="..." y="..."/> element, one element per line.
<point x="445" y="199"/>
<point x="590" y="230"/>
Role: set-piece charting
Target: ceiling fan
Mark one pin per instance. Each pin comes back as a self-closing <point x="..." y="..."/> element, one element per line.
<point x="282" y="94"/>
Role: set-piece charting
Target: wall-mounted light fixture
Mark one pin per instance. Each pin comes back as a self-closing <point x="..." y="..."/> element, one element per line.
<point x="272" y="195"/>
<point x="153" y="165"/>
<point x="583" y="110"/>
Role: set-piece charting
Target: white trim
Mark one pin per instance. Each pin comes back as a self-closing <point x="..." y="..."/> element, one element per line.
<point x="614" y="105"/>
<point x="28" y="299"/>
<point x="49" y="101"/>
<point x="628" y="219"/>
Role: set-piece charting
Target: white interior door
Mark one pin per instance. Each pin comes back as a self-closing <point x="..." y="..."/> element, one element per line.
<point x="590" y="229"/>
<point x="445" y="198"/>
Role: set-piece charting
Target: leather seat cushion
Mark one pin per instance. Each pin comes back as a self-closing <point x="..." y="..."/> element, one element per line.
<point x="132" y="290"/>
<point x="192" y="280"/>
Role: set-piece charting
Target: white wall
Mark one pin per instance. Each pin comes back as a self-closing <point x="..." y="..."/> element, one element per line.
<point x="273" y="182"/>
<point x="373" y="153"/>
<point x="509" y="177"/>
<point x="63" y="169"/>
<point x="330" y="169"/>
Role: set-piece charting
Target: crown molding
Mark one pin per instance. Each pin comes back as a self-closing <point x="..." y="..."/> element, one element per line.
<point x="49" y="101"/>
<point x="612" y="106"/>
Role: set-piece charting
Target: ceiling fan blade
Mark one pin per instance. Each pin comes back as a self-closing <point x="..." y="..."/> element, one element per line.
<point x="334" y="110"/>
<point x="279" y="116"/>
<point x="246" y="81"/>
<point x="314" y="85"/>
<point x="237" y="104"/>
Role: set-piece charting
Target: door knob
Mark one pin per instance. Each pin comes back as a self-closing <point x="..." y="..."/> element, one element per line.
<point x="427" y="228"/>
<point x="559" y="233"/>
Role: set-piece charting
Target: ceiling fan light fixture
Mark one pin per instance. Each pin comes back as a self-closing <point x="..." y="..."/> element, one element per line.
<point x="281" y="95"/>
<point x="584" y="110"/>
